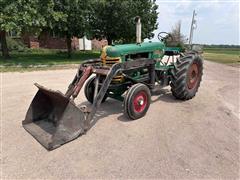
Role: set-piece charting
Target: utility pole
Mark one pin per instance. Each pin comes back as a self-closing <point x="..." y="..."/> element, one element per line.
<point x="193" y="26"/>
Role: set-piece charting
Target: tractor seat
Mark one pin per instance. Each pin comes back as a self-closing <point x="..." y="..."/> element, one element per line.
<point x="171" y="53"/>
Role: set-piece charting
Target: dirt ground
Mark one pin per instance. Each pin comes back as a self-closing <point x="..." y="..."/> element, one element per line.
<point x="198" y="138"/>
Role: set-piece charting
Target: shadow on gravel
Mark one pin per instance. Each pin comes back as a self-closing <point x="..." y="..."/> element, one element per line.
<point x="108" y="108"/>
<point x="165" y="95"/>
<point x="111" y="106"/>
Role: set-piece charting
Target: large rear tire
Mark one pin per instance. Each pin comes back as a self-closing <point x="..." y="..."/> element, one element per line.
<point x="89" y="90"/>
<point x="187" y="76"/>
<point x="137" y="101"/>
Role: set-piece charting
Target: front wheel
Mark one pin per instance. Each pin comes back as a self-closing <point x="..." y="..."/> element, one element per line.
<point x="89" y="90"/>
<point x="186" y="76"/>
<point x="137" y="101"/>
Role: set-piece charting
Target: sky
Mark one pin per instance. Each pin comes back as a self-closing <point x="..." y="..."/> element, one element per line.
<point x="217" y="21"/>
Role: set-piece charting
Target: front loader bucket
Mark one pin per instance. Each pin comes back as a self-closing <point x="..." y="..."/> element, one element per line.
<point x="52" y="119"/>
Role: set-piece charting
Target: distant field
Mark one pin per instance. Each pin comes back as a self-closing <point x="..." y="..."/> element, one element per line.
<point x="222" y="55"/>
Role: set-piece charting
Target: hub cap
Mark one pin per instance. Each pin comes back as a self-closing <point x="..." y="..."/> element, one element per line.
<point x="140" y="102"/>
<point x="193" y="76"/>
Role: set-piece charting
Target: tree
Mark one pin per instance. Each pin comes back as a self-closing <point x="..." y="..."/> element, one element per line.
<point x="76" y="23"/>
<point x="177" y="38"/>
<point x="7" y="23"/>
<point x="25" y="15"/>
<point x="114" y="19"/>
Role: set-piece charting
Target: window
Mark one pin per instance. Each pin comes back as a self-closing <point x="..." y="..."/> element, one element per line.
<point x="13" y="34"/>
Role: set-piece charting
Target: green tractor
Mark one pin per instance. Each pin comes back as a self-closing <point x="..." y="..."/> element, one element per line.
<point x="130" y="73"/>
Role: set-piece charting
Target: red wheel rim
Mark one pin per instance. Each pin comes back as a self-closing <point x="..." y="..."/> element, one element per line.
<point x="140" y="102"/>
<point x="193" y="76"/>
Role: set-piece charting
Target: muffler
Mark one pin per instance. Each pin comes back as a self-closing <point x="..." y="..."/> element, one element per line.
<point x="53" y="119"/>
<point x="138" y="30"/>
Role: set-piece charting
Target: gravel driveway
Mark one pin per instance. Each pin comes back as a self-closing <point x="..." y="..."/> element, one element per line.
<point x="198" y="138"/>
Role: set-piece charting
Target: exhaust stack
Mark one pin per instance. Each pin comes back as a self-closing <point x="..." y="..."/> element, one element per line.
<point x="138" y="30"/>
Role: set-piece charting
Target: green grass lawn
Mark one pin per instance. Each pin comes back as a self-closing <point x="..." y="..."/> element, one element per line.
<point x="222" y="55"/>
<point x="43" y="59"/>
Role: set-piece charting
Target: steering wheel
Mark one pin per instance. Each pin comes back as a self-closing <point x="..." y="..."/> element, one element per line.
<point x="163" y="36"/>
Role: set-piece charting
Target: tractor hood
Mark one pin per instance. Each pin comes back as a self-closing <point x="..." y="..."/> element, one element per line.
<point x="120" y="50"/>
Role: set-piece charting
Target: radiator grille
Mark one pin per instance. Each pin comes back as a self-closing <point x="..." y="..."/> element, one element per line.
<point x="111" y="61"/>
<point x="107" y="61"/>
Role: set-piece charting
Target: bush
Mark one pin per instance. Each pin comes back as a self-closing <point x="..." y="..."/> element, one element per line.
<point x="42" y="51"/>
<point x="15" y="44"/>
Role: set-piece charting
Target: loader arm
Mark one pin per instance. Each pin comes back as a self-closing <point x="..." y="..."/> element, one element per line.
<point x="115" y="69"/>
